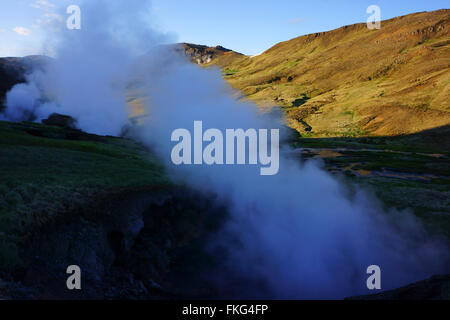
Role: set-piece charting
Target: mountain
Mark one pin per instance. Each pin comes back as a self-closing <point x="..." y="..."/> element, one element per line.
<point x="353" y="81"/>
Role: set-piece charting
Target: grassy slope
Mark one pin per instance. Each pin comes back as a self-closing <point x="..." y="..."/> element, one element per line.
<point x="354" y="81"/>
<point x="48" y="170"/>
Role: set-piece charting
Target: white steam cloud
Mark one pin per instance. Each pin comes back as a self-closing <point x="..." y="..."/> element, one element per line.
<point x="299" y="231"/>
<point x="88" y="78"/>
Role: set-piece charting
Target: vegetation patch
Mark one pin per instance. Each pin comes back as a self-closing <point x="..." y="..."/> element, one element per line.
<point x="47" y="170"/>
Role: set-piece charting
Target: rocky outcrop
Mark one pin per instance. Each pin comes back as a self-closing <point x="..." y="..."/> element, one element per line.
<point x="204" y="55"/>
<point x="60" y="120"/>
<point x="201" y="54"/>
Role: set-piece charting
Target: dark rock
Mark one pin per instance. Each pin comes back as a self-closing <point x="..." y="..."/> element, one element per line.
<point x="200" y="54"/>
<point x="120" y="241"/>
<point x="59" y="120"/>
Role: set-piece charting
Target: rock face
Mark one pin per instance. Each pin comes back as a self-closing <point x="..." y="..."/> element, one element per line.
<point x="60" y="120"/>
<point x="388" y="82"/>
<point x="204" y="55"/>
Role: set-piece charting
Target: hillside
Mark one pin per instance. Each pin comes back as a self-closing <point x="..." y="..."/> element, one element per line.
<point x="108" y="204"/>
<point x="353" y="81"/>
<point x="66" y="196"/>
<point x="12" y="72"/>
<point x="46" y="170"/>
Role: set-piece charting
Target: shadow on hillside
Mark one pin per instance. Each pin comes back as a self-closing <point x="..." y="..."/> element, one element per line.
<point x="433" y="140"/>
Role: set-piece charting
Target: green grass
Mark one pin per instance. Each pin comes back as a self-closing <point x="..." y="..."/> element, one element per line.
<point x="428" y="200"/>
<point x="230" y="72"/>
<point x="407" y="83"/>
<point x="42" y="173"/>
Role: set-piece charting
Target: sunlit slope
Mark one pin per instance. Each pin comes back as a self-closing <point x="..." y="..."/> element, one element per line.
<point x="354" y="81"/>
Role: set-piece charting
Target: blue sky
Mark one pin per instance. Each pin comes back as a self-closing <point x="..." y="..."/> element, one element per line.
<point x="247" y="26"/>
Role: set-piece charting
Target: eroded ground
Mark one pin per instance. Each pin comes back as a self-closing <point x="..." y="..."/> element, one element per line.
<point x="402" y="175"/>
<point x="107" y="204"/>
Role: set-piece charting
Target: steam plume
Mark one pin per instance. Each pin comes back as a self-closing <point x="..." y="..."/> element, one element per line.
<point x="299" y="231"/>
